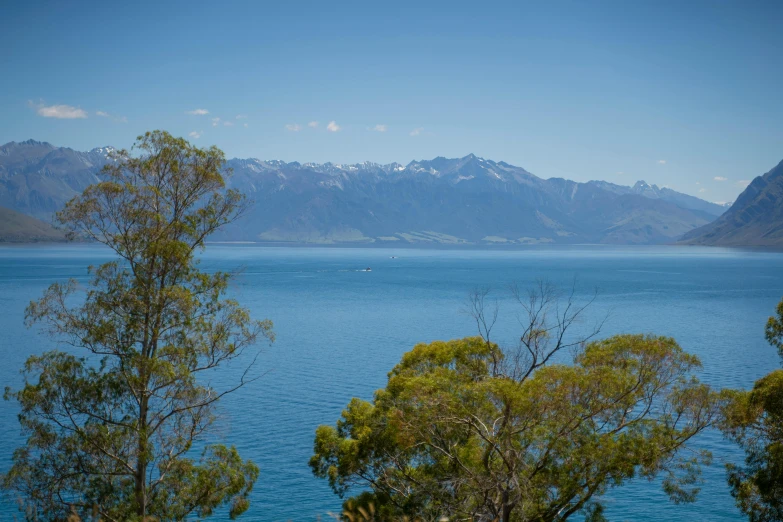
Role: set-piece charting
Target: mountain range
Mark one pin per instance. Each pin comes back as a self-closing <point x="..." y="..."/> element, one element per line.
<point x="469" y="200"/>
<point x="37" y="178"/>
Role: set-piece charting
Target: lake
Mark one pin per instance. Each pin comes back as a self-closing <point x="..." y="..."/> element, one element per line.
<point x="340" y="329"/>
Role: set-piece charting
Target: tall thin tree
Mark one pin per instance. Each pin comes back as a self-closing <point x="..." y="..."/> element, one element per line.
<point x="113" y="423"/>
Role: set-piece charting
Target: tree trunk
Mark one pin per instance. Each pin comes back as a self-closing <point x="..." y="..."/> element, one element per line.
<point x="505" y="513"/>
<point x="141" y="463"/>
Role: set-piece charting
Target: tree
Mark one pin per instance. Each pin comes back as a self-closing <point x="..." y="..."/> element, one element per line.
<point x="754" y="420"/>
<point x="113" y="431"/>
<point x="466" y="430"/>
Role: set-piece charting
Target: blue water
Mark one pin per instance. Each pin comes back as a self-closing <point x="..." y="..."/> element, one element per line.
<point x="340" y="330"/>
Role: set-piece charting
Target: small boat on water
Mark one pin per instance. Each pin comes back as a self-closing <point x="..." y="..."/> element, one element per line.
<point x="368" y="269"/>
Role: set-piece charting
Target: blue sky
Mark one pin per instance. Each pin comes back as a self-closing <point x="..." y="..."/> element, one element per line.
<point x="682" y="94"/>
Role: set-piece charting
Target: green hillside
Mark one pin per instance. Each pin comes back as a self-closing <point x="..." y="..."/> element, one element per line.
<point x="16" y="227"/>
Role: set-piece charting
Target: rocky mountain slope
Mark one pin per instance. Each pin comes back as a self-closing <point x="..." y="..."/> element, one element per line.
<point x="468" y="200"/>
<point x="755" y="219"/>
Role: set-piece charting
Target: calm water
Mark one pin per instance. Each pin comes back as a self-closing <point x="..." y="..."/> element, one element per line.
<point x="340" y="330"/>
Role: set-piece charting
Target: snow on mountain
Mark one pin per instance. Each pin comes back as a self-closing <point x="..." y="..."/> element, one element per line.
<point x="463" y="200"/>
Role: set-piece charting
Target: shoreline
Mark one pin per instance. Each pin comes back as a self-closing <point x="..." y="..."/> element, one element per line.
<point x="431" y="246"/>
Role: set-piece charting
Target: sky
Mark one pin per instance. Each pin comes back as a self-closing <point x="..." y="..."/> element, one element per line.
<point x="680" y="94"/>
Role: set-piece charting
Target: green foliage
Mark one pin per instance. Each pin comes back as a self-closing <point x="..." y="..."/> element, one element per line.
<point x="754" y="419"/>
<point x="454" y="434"/>
<point x="774" y="330"/>
<point x="114" y="429"/>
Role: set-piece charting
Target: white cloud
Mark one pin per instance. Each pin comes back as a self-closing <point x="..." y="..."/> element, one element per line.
<point x="662" y="162"/>
<point x="118" y="119"/>
<point x="215" y="122"/>
<point x="620" y="173"/>
<point x="62" y="112"/>
<point x="702" y="190"/>
<point x="743" y="182"/>
<point x="245" y="125"/>
<point x="196" y="135"/>
<point x="332" y="127"/>
<point x="698" y="182"/>
<point x="228" y="123"/>
<point x="313" y="124"/>
<point x="417" y="131"/>
<point x="198" y="112"/>
<point x="293" y="127"/>
<point x="241" y="116"/>
<point x="379" y="128"/>
<point x="719" y="178"/>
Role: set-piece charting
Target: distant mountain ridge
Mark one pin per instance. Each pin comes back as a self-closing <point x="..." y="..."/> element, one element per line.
<point x="678" y="198"/>
<point x="37" y="178"/>
<point x="469" y="200"/>
<point x="755" y="219"/>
